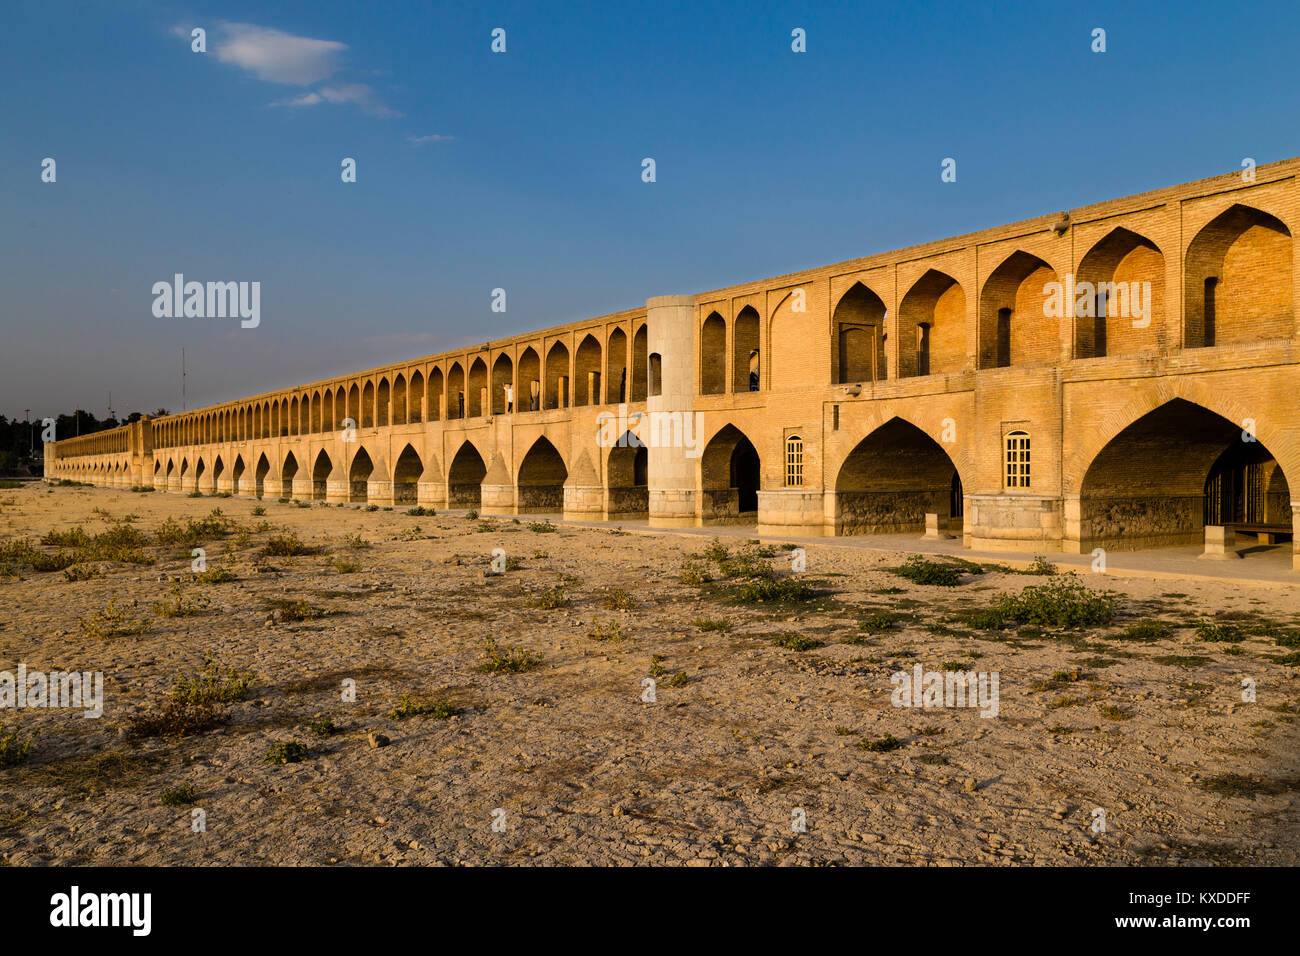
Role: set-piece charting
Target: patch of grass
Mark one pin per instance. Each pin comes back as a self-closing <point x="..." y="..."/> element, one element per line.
<point x="1040" y="566"/>
<point x="549" y="599"/>
<point x="712" y="624"/>
<point x="323" y="727"/>
<point x="932" y="758"/>
<point x="695" y="572"/>
<point x="679" y="679"/>
<point x="419" y="511"/>
<point x="508" y="659"/>
<point x="284" y="546"/>
<point x="178" y="796"/>
<point x="1111" y="712"/>
<point x="356" y="542"/>
<point x="542" y="527"/>
<point x="409" y="707"/>
<point x="178" y="605"/>
<point x="956" y="666"/>
<point x="111" y="622"/>
<point x="216" y="576"/>
<point x="344" y="566"/>
<point x="210" y="686"/>
<point x="1148" y="631"/>
<point x="877" y="621"/>
<point x="1064" y="602"/>
<point x="295" y="610"/>
<point x="620" y="600"/>
<point x="14" y="748"/>
<point x="258" y="511"/>
<point x="286" y="751"/>
<point x="1182" y="660"/>
<point x="610" y="630"/>
<point x="921" y="570"/>
<point x="471" y="515"/>
<point x="795" y="642"/>
<point x="175" y="719"/>
<point x="880" y="745"/>
<point x="81" y="572"/>
<point x="1210" y="632"/>
<point x="787" y="590"/>
<point x="984" y="619"/>
<point x="656" y="666"/>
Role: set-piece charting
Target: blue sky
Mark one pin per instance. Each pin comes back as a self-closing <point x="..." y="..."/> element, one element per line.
<point x="522" y="170"/>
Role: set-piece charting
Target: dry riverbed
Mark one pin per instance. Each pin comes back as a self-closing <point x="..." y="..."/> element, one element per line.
<point x="544" y="747"/>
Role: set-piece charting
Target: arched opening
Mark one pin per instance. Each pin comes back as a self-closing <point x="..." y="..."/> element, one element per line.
<point x="327" y="420"/>
<point x="436" y="396"/>
<point x="1238" y="280"/>
<point x="415" y="399"/>
<point x="406" y="477"/>
<point x="315" y="413"/>
<point x="1174" y="470"/>
<point x="656" y="374"/>
<point x="320" y="474"/>
<point x="639" y="366"/>
<point x="199" y="470"/>
<point x="293" y="416"/>
<point x="455" y="392"/>
<point x="382" y="397"/>
<point x="476" y="395"/>
<point x="744" y="352"/>
<point x="730" y="479"/>
<point x="368" y="406"/>
<point x="1016" y="326"/>
<point x="616" y="383"/>
<point x="858" y="344"/>
<point x="892" y="479"/>
<point x="259" y="475"/>
<point x="586" y="372"/>
<point x="399" y="400"/>
<point x="354" y="407"/>
<point x="713" y="355"/>
<point x="218" y="468"/>
<point x="358" y="476"/>
<point x="932" y="327"/>
<point x="1119" y="296"/>
<point x="503" y="385"/>
<point x="465" y="478"/>
<point x="628" y="486"/>
<point x="530" y="381"/>
<point x="557" y="376"/>
<point x="541" y="479"/>
<point x="287" y="474"/>
<point x="237" y="475"/>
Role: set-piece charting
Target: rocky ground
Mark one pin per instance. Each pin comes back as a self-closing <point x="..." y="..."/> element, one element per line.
<point x="563" y="759"/>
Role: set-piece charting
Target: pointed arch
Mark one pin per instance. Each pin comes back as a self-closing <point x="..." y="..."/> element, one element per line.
<point x="730" y="478"/>
<point x="858" y="336"/>
<point x="1015" y="324"/>
<point x="503" y="378"/>
<point x="616" y="383"/>
<point x="456" y="404"/>
<point x="627" y="486"/>
<point x="478" y="402"/>
<point x="287" y="472"/>
<point x="530" y="381"/>
<point x="399" y="399"/>
<point x="1119" y="295"/>
<point x="1238" y="280"/>
<point x="406" y="476"/>
<point x="359" y="472"/>
<point x="713" y="355"/>
<point x="321" y="470"/>
<point x="557" y="377"/>
<point x="745" y="358"/>
<point x="640" y="365"/>
<point x="932" y="327"/>
<point x="893" y="478"/>
<point x="465" y="477"/>
<point x="586" y="372"/>
<point x="540" y="483"/>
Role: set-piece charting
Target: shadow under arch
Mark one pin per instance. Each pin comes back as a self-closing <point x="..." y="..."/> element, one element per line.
<point x="730" y="479"/>
<point x="1169" y="473"/>
<point x="540" y="485"/>
<point x="892" y="479"/>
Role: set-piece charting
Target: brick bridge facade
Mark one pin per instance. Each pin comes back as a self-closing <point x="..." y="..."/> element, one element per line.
<point x="1118" y="376"/>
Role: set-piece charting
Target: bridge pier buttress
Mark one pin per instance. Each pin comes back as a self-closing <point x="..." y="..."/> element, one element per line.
<point x="431" y="494"/>
<point x="793" y="511"/>
<point x="670" y="337"/>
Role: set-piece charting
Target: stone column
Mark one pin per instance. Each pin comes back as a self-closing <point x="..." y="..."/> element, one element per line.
<point x="672" y="471"/>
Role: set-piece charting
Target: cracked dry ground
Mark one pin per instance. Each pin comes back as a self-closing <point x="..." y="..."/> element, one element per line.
<point x="1152" y="731"/>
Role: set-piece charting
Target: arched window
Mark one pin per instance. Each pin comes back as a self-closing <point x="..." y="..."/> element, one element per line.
<point x="1017" y="459"/>
<point x="656" y="373"/>
<point x="794" y="462"/>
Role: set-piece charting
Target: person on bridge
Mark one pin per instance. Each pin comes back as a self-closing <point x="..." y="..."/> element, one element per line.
<point x="510" y="397"/>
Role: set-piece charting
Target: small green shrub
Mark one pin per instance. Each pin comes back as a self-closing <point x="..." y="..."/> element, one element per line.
<point x="286" y="751"/>
<point x="14" y="748"/>
<point x="880" y="745"/>
<point x="795" y="642"/>
<point x="1064" y="602"/>
<point x="178" y="796"/>
<point x="921" y="570"/>
<point x="508" y="659"/>
<point x="1213" y="633"/>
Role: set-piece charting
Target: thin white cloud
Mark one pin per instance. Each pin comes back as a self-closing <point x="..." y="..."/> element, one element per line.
<point x="279" y="57"/>
<point x="358" y="94"/>
<point x="431" y="138"/>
